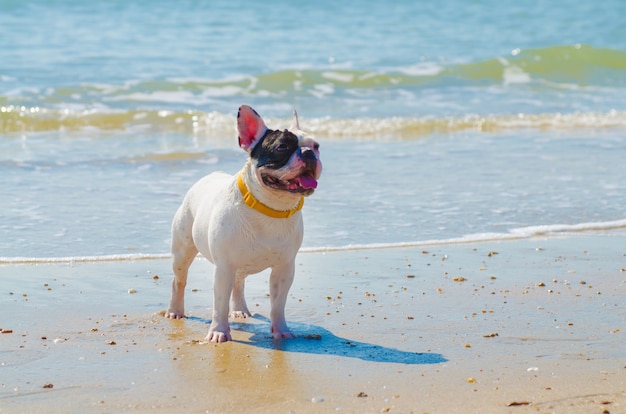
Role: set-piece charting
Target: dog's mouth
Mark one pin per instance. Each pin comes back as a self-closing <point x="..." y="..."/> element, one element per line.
<point x="303" y="184"/>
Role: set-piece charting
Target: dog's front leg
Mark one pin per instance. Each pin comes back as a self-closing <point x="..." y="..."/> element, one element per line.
<point x="223" y="281"/>
<point x="281" y="279"/>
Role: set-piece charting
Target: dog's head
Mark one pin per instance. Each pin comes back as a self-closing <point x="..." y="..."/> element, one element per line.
<point x="285" y="160"/>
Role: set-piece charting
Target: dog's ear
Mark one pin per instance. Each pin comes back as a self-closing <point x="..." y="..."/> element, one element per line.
<point x="295" y="125"/>
<point x="250" y="126"/>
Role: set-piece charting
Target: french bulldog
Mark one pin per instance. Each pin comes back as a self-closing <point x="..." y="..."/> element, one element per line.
<point x="247" y="223"/>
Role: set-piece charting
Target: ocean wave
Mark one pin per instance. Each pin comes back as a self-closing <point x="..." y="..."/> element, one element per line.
<point x="551" y="230"/>
<point x="578" y="64"/>
<point x="549" y="67"/>
<point x="558" y="74"/>
<point x="219" y="126"/>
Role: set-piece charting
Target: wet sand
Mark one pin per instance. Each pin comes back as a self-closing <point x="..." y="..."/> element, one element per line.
<point x="518" y="326"/>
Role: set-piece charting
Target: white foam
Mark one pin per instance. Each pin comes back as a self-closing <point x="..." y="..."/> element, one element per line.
<point x="513" y="234"/>
<point x="514" y="74"/>
<point x="222" y="91"/>
<point x="338" y="76"/>
<point x="423" y="69"/>
<point x="568" y="228"/>
<point x="322" y="90"/>
<point x="84" y="259"/>
<point x="161" y="96"/>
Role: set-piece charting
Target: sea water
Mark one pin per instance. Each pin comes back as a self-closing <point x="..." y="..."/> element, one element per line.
<point x="438" y="121"/>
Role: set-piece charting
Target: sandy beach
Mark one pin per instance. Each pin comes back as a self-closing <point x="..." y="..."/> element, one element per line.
<point x="464" y="251"/>
<point x="518" y="326"/>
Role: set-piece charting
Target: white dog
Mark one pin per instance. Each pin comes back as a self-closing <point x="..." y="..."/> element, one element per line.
<point x="247" y="223"/>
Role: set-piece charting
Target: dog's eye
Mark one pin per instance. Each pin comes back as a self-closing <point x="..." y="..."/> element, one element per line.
<point x="282" y="148"/>
<point x="316" y="147"/>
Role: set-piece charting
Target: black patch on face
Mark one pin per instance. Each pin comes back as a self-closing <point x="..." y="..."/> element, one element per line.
<point x="275" y="149"/>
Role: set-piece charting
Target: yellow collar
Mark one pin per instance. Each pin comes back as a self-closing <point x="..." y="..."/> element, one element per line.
<point x="255" y="204"/>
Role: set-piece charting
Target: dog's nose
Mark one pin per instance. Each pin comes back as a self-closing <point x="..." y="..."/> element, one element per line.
<point x="310" y="159"/>
<point x="307" y="154"/>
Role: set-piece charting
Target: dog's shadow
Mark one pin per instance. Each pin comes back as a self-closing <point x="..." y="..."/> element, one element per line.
<point x="312" y="339"/>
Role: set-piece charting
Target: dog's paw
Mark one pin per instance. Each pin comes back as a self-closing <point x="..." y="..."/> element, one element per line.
<point x="283" y="333"/>
<point x="218" y="332"/>
<point x="240" y="314"/>
<point x="217" y="337"/>
<point x="173" y="314"/>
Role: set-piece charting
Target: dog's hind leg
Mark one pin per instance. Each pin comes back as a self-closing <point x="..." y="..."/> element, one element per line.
<point x="238" y="306"/>
<point x="183" y="253"/>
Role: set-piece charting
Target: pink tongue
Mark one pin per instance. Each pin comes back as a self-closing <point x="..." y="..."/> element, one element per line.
<point x="306" y="181"/>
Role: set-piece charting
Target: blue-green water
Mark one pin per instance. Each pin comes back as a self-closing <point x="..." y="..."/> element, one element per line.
<point x="438" y="120"/>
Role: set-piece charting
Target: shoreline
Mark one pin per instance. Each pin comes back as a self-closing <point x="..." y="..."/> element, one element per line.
<point x="541" y="231"/>
<point x="531" y="325"/>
